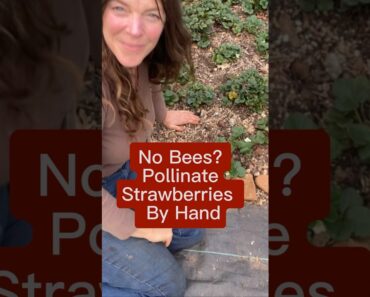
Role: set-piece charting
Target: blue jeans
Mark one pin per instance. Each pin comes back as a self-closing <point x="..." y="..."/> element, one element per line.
<point x="13" y="232"/>
<point x="136" y="267"/>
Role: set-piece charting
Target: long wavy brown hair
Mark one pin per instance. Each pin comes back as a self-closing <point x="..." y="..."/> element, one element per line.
<point x="164" y="64"/>
<point x="29" y="37"/>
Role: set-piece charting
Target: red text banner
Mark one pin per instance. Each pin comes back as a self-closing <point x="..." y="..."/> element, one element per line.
<point x="180" y="185"/>
<point x="300" y="194"/>
<point x="55" y="185"/>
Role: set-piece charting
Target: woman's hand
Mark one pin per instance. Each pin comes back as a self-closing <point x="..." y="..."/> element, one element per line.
<point x="154" y="234"/>
<point x="175" y="119"/>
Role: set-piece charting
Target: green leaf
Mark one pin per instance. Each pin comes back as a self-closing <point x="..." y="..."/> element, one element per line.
<point x="245" y="147"/>
<point x="335" y="130"/>
<point x="349" y="198"/>
<point x="340" y="230"/>
<point x="336" y="116"/>
<point x="237" y="132"/>
<point x="334" y="205"/>
<point x="262" y="124"/>
<point x="337" y="147"/>
<point x="359" y="133"/>
<point x="359" y="216"/>
<point x="241" y="171"/>
<point x="350" y="93"/>
<point x="237" y="170"/>
<point x="260" y="138"/>
<point x="170" y="97"/>
<point x="364" y="154"/>
<point x="299" y="121"/>
<point x="343" y="93"/>
<point x="221" y="139"/>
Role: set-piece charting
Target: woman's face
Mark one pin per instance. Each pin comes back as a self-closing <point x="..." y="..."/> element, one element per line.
<point x="132" y="28"/>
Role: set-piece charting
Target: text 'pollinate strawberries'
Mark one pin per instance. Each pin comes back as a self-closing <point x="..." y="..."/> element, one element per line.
<point x="180" y="185"/>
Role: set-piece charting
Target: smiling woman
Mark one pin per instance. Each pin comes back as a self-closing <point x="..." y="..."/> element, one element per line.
<point x="144" y="44"/>
<point x="132" y="32"/>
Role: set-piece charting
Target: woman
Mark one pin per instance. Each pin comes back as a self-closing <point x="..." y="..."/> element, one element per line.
<point x="144" y="43"/>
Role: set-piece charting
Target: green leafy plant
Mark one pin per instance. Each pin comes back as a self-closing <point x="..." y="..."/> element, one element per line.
<point x="197" y="94"/>
<point x="238" y="142"/>
<point x="170" y="97"/>
<point x="236" y="170"/>
<point x="347" y="123"/>
<point x="253" y="24"/>
<point x="229" y="20"/>
<point x="253" y="6"/>
<point x="227" y="52"/>
<point x="348" y="216"/>
<point x="249" y="88"/>
<point x="200" y="16"/>
<point x="262" y="44"/>
<point x="185" y="75"/>
<point x="199" y="19"/>
<point x="243" y="145"/>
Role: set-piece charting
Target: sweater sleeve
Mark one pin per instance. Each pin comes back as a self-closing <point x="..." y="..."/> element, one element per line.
<point x="159" y="104"/>
<point x="120" y="222"/>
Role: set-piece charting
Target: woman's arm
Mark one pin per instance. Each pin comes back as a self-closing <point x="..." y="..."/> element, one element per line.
<point x="120" y="222"/>
<point x="172" y="119"/>
<point x="160" y="108"/>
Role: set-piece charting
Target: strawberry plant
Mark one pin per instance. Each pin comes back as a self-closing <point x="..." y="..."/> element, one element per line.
<point x="237" y="143"/>
<point x="249" y="88"/>
<point x="185" y="75"/>
<point x="253" y="6"/>
<point x="347" y="123"/>
<point x="348" y="216"/>
<point x="229" y="20"/>
<point x="200" y="17"/>
<point x="197" y="94"/>
<point x="170" y="97"/>
<point x="250" y="6"/>
<point x="253" y="24"/>
<point x="243" y="145"/>
<point x="227" y="52"/>
<point x="262" y="44"/>
<point x="236" y="170"/>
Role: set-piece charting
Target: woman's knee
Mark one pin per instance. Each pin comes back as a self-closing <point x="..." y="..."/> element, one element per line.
<point x="135" y="265"/>
<point x="174" y="283"/>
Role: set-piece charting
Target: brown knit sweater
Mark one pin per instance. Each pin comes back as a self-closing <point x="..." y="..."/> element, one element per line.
<point x="115" y="150"/>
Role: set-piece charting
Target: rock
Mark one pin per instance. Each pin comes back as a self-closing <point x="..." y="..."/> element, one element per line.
<point x="249" y="188"/>
<point x="262" y="181"/>
<point x="222" y="124"/>
<point x="333" y="64"/>
<point x="300" y="70"/>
